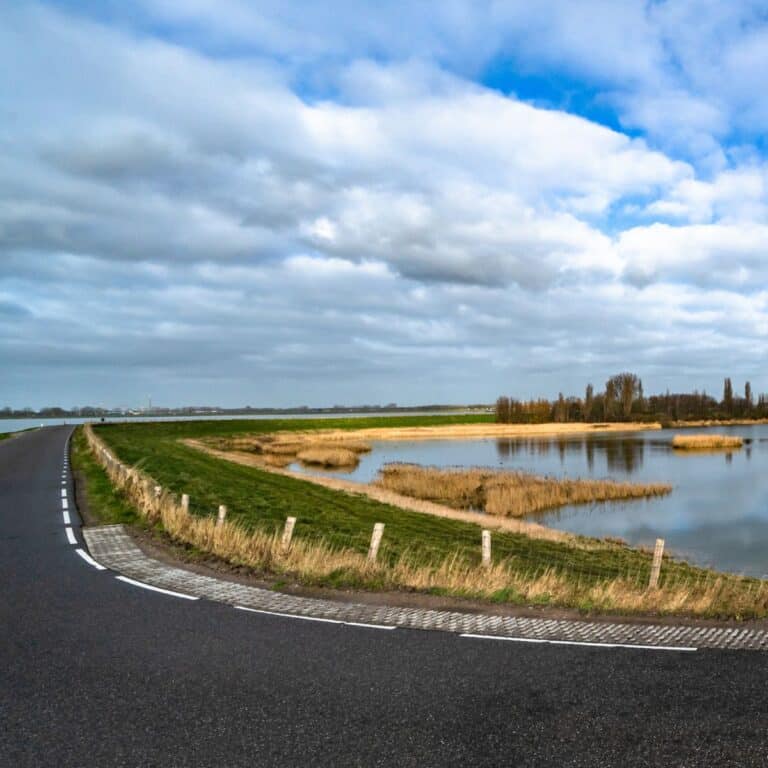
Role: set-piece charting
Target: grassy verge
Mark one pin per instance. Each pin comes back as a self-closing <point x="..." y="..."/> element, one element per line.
<point x="106" y="504"/>
<point x="419" y="552"/>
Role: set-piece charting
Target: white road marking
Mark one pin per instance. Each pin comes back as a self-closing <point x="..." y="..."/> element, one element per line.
<point x="576" y="642"/>
<point x="70" y="535"/>
<point x="313" y="618"/>
<point x="65" y="515"/>
<point x="63" y="493"/>
<point x="88" y="559"/>
<point x="64" y="504"/>
<point x="369" y="626"/>
<point x="289" y="615"/>
<point x="155" y="589"/>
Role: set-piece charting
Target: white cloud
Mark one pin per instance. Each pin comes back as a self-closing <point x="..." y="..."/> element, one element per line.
<point x="160" y="207"/>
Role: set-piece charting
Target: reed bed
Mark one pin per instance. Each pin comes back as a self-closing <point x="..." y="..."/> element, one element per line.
<point x="283" y="450"/>
<point x="330" y="458"/>
<point x="509" y="494"/>
<point x="314" y="561"/>
<point x="706" y="442"/>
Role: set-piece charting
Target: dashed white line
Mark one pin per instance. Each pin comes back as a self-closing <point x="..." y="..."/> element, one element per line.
<point x="65" y="515"/>
<point x="155" y="589"/>
<point x="88" y="559"/>
<point x="683" y="648"/>
<point x="64" y="504"/>
<point x="70" y="535"/>
<point x="63" y="493"/>
<point x="313" y="618"/>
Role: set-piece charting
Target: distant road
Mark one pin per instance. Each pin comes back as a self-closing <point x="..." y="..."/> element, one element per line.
<point x="97" y="672"/>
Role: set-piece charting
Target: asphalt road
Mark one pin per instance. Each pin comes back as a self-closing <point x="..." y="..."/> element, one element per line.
<point x="96" y="672"/>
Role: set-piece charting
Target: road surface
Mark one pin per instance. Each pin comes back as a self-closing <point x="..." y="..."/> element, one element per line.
<point x="98" y="672"/>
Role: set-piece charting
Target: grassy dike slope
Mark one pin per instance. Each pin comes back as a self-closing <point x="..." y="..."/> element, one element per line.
<point x="259" y="500"/>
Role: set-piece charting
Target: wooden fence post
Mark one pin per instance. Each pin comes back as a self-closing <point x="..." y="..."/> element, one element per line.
<point x="185" y="502"/>
<point x="378" y="532"/>
<point x="221" y="516"/>
<point x="658" y="552"/>
<point x="290" y="523"/>
<point x="486" y="548"/>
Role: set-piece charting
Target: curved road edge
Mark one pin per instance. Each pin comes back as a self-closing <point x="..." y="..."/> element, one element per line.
<point x="112" y="547"/>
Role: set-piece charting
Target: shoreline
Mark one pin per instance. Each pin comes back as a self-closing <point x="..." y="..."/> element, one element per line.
<point x="507" y="524"/>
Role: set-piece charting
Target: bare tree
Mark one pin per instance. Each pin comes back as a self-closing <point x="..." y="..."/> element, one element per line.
<point x="503" y="410"/>
<point x="728" y="397"/>
<point x="589" y="402"/>
<point x="628" y="388"/>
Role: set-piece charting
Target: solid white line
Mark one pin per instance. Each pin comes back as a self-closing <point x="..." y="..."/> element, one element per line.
<point x="70" y="535"/>
<point x="155" y="589"/>
<point x="369" y="626"/>
<point x="65" y="515"/>
<point x="288" y="615"/>
<point x="576" y="642"/>
<point x="314" y="618"/>
<point x="88" y="559"/>
<point x="64" y="504"/>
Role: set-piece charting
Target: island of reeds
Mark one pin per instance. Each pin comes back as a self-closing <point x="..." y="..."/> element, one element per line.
<point x="706" y="442"/>
<point x="283" y="450"/>
<point x="509" y="494"/>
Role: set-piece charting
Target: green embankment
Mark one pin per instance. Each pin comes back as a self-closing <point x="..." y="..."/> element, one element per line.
<point x="259" y="499"/>
<point x="105" y="502"/>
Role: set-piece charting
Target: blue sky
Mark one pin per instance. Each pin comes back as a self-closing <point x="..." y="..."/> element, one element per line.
<point x="280" y="203"/>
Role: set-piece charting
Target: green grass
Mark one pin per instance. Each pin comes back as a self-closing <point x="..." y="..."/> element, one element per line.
<point x="105" y="503"/>
<point x="259" y="499"/>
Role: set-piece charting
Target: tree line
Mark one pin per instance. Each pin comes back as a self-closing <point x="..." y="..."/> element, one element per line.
<point x="623" y="399"/>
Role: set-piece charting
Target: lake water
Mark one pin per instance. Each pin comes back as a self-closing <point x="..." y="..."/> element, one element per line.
<point x="716" y="515"/>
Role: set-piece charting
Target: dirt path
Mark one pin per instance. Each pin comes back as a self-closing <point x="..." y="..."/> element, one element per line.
<point x="533" y="530"/>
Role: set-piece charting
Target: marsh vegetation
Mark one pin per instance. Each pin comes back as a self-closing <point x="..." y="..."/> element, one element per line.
<point x="419" y="552"/>
<point x="513" y="494"/>
<point x="706" y="442"/>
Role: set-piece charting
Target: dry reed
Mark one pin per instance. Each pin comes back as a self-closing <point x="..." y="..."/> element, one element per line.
<point x="328" y="457"/>
<point x="512" y="494"/>
<point x="706" y="442"/>
<point x="314" y="562"/>
<point x="281" y="450"/>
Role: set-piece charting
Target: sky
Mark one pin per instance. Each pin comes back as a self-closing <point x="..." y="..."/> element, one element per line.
<point x="281" y="203"/>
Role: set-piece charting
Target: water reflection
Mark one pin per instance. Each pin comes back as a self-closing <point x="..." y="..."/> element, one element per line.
<point x="622" y="455"/>
<point x="716" y="514"/>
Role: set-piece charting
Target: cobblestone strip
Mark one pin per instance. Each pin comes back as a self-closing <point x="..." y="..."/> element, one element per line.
<point x="112" y="546"/>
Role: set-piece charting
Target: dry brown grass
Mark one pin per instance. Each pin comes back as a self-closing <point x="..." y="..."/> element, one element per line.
<point x="526" y="527"/>
<point x="512" y="494"/>
<point x="281" y="450"/>
<point x="316" y="562"/>
<point x="706" y="442"/>
<point x="464" y="431"/>
<point x="328" y="457"/>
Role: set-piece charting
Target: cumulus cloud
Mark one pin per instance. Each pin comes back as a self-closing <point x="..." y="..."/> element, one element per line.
<point x="216" y="227"/>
